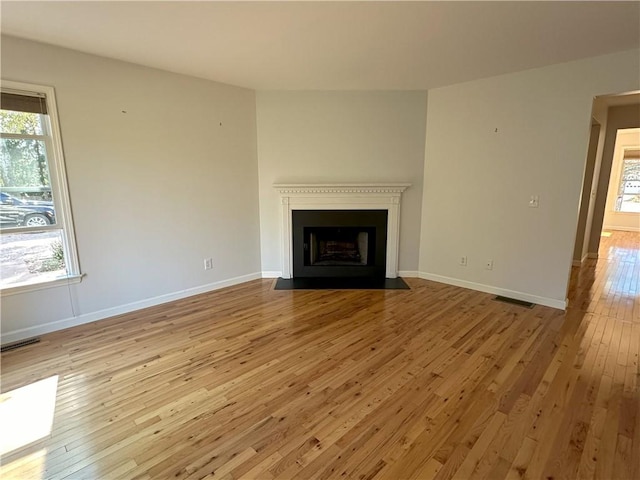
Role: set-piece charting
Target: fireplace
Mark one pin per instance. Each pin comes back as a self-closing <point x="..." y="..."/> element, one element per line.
<point x="343" y="197"/>
<point x="339" y="243"/>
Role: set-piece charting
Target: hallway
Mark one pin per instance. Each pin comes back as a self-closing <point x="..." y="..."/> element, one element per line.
<point x="610" y="285"/>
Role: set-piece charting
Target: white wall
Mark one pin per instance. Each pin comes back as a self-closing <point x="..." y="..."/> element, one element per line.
<point x="312" y="137"/>
<point x="613" y="220"/>
<point x="478" y="180"/>
<point x="153" y="191"/>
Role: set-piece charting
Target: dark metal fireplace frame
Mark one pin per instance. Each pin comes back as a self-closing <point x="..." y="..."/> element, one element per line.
<point x="375" y="221"/>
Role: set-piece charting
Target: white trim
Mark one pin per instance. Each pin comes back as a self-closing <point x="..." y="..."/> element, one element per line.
<point x="408" y="273"/>
<point x="549" y="302"/>
<point x="63" y="205"/>
<point x="622" y="227"/>
<point x="20" y="91"/>
<point x="32" y="287"/>
<point x="22" y="333"/>
<point x="22" y="136"/>
<point x="271" y="274"/>
<point x="44" y="228"/>
<point x="342" y="196"/>
<point x="306" y="188"/>
<point x="579" y="263"/>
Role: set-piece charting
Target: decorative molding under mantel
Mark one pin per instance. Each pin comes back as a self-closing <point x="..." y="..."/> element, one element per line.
<point x="342" y="187"/>
<point x="342" y="196"/>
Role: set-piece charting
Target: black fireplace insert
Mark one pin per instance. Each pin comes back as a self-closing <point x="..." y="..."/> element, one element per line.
<point x="339" y="243"/>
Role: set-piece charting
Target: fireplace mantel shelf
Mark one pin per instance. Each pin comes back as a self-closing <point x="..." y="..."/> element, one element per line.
<point x="345" y="196"/>
<point x="303" y="188"/>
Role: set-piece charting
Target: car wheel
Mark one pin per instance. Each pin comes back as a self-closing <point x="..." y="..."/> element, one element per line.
<point x="36" y="220"/>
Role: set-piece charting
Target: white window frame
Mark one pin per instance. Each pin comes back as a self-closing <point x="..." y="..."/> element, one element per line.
<point x="59" y="189"/>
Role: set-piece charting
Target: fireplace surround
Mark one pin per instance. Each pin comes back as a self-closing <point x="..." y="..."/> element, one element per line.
<point x="339" y="243"/>
<point x="346" y="197"/>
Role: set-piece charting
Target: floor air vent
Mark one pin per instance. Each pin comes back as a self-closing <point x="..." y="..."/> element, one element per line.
<point x="21" y="343"/>
<point x="513" y="301"/>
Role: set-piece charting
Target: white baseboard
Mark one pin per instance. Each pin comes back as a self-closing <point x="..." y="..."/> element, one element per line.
<point x="549" y="302"/>
<point x="22" y="333"/>
<point x="579" y="263"/>
<point x="622" y="228"/>
<point x="271" y="274"/>
<point x="408" y="273"/>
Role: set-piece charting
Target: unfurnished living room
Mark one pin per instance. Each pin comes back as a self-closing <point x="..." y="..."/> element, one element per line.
<point x="282" y="240"/>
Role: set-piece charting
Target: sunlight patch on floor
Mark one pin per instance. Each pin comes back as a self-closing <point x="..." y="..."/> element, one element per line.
<point x="605" y="234"/>
<point x="31" y="466"/>
<point x="26" y="414"/>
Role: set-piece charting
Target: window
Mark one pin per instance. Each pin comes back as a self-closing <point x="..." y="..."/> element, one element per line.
<point x="37" y="244"/>
<point x="628" y="197"/>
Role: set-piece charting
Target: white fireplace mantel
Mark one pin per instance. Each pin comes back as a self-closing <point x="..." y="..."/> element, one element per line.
<point x="342" y="196"/>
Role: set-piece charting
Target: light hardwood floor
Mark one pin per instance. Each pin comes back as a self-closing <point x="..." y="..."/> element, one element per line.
<point x="435" y="382"/>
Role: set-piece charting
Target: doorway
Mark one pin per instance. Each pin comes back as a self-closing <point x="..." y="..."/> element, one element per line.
<point x="610" y="114"/>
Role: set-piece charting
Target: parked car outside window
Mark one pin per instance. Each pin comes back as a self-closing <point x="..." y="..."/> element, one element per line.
<point x="11" y="216"/>
<point x="29" y="213"/>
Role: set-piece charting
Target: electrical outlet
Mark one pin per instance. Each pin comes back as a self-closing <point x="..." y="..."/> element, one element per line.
<point x="208" y="263"/>
<point x="463" y="261"/>
<point x="534" y="201"/>
<point x="488" y="265"/>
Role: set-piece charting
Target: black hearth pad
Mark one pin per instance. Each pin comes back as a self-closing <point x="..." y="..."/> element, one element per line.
<point x="340" y="283"/>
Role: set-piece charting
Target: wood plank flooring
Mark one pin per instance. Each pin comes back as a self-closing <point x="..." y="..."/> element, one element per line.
<point x="436" y="382"/>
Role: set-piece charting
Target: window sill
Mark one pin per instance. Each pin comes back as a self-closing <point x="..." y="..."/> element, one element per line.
<point x="32" y="287"/>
